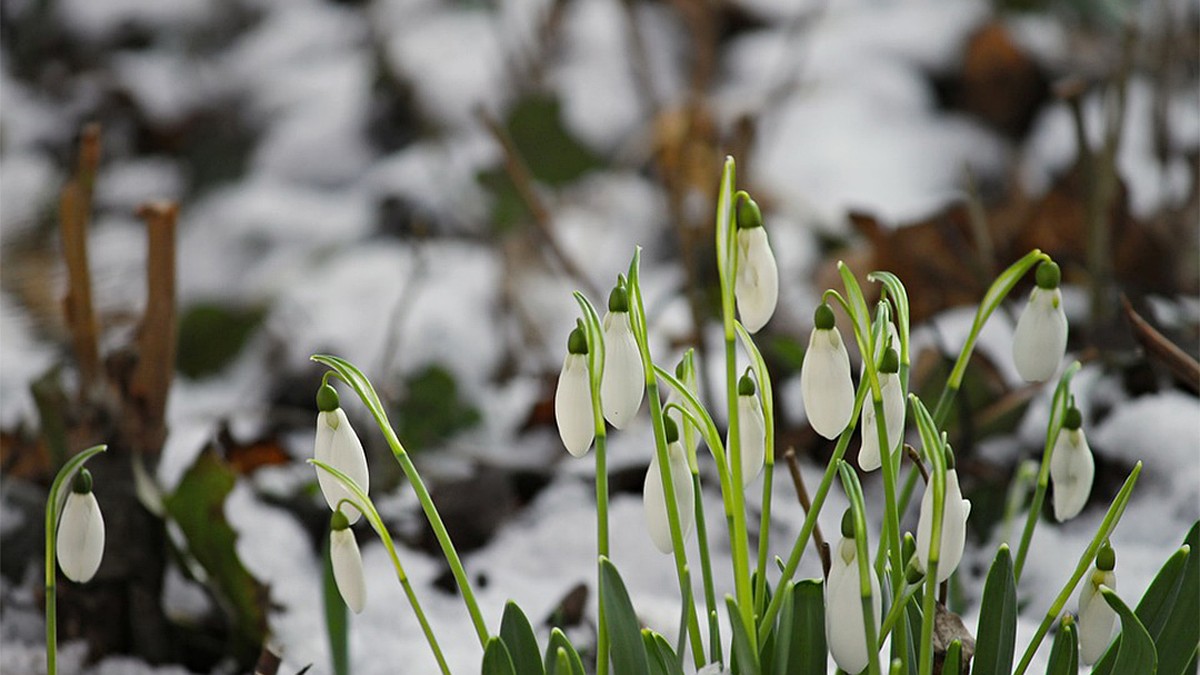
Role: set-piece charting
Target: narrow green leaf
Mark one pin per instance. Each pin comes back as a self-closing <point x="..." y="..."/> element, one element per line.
<point x="1136" y="653"/>
<point x="663" y="659"/>
<point x="952" y="664"/>
<point x="1180" y="634"/>
<point x="336" y="624"/>
<point x="899" y="297"/>
<point x="560" y="646"/>
<point x="805" y="650"/>
<point x="1064" y="655"/>
<point x="627" y="650"/>
<point x="496" y="659"/>
<point x="745" y="658"/>
<point x="784" y="634"/>
<point x="522" y="644"/>
<point x="562" y="663"/>
<point x="997" y="630"/>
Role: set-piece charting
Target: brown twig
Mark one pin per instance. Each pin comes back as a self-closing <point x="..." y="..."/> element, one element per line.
<point x="522" y="179"/>
<point x="151" y="379"/>
<point x="916" y="459"/>
<point x="1183" y="367"/>
<point x="806" y="504"/>
<point x="75" y="205"/>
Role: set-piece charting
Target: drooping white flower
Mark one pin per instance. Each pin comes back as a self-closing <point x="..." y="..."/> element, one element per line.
<point x="623" y="381"/>
<point x="573" y="398"/>
<point x="1040" y="339"/>
<point x="80" y="539"/>
<point x="1096" y="618"/>
<point x="756" y="287"/>
<point x="338" y="446"/>
<point x="752" y="430"/>
<point x="654" y="501"/>
<point x="1072" y="467"/>
<point x="845" y="632"/>
<point x="825" y="381"/>
<point x="892" y="391"/>
<point x="954" y="525"/>
<point x="347" y="563"/>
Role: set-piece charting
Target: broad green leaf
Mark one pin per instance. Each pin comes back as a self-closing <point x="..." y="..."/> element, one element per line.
<point x="744" y="656"/>
<point x="800" y="643"/>
<point x="997" y="629"/>
<point x="1180" y="633"/>
<point x="559" y="647"/>
<point x="432" y="409"/>
<point x="521" y="642"/>
<point x="662" y="658"/>
<point x="496" y="660"/>
<point x="1064" y="655"/>
<point x="198" y="507"/>
<point x="336" y="623"/>
<point x="1136" y="653"/>
<point x="212" y="335"/>
<point x="542" y="140"/>
<point x="627" y="650"/>
<point x="952" y="663"/>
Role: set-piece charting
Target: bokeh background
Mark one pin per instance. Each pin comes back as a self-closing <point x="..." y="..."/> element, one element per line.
<point x="418" y="185"/>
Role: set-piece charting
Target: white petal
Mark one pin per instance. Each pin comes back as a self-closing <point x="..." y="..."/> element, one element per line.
<point x="1040" y="339"/>
<point x="624" y="381"/>
<point x="80" y="540"/>
<point x="1072" y="469"/>
<point x="752" y="432"/>
<point x="338" y="446"/>
<point x="573" y="406"/>
<point x="348" y="568"/>
<point x="757" y="285"/>
<point x="1096" y="620"/>
<point x="844" y="629"/>
<point x="654" y="503"/>
<point x="893" y="415"/>
<point x="954" y="528"/>
<point x="825" y="383"/>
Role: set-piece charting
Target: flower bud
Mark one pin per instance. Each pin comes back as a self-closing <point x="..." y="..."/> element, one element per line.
<point x="825" y="382"/>
<point x="338" y="446"/>
<point x="752" y="432"/>
<point x="892" y="390"/>
<point x="756" y="287"/>
<point x="954" y="527"/>
<point x="347" y="563"/>
<point x="1040" y="339"/>
<point x="623" y="381"/>
<point x="845" y="631"/>
<point x="1096" y="618"/>
<point x="573" y="398"/>
<point x="654" y="501"/>
<point x="1072" y="468"/>
<point x="80" y="538"/>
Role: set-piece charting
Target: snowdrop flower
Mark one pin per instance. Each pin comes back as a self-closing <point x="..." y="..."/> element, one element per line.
<point x="654" y="501"/>
<point x="954" y="524"/>
<point x="573" y="398"/>
<point x="845" y="631"/>
<point x="80" y="539"/>
<point x="825" y="381"/>
<point x="1071" y="467"/>
<point x="757" y="285"/>
<point x="1041" y="336"/>
<point x="347" y="562"/>
<point x="338" y="446"/>
<point x="623" y="382"/>
<point x="752" y="430"/>
<point x="893" y="414"/>
<point x="1096" y="617"/>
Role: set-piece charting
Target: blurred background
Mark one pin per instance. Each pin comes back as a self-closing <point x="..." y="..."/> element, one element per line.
<point x="196" y="195"/>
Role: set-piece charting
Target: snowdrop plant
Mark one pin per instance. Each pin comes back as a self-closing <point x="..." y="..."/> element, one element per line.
<point x="955" y="511"/>
<point x="338" y="446"/>
<point x="757" y="287"/>
<point x="347" y="562"/>
<point x="654" y="500"/>
<point x="1096" y="618"/>
<point x="892" y="391"/>
<point x="1040" y="339"/>
<point x="825" y="383"/>
<point x="1071" y="467"/>
<point x="846" y="630"/>
<point x="573" y="397"/>
<point x="753" y="430"/>
<point x="621" y="386"/>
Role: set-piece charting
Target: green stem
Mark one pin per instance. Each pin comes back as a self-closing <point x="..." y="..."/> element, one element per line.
<point x="891" y="518"/>
<point x="895" y="612"/>
<point x="710" y="596"/>
<point x="858" y="507"/>
<point x="602" y="640"/>
<point x="739" y="544"/>
<point x="934" y="445"/>
<point x="764" y="529"/>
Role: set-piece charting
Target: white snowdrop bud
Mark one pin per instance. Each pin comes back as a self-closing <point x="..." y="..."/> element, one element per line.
<point x="954" y="524"/>
<point x="845" y="631"/>
<point x="1096" y="618"/>
<point x="623" y="381"/>
<point x="573" y="398"/>
<point x="338" y="446"/>
<point x="654" y="501"/>
<point x="1041" y="336"/>
<point x="347" y="563"/>
<point x="690" y="383"/>
<point x="756" y="287"/>
<point x="1072" y="467"/>
<point x="825" y="381"/>
<point x="752" y="430"/>
<point x="80" y="539"/>
<point x="869" y="457"/>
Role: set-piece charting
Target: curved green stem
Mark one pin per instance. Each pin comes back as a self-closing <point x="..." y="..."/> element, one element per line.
<point x="858" y="508"/>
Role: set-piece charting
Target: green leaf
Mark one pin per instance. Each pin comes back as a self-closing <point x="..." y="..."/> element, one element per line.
<point x="198" y="507"/>
<point x="627" y="650"/>
<point x="800" y="641"/>
<point x="663" y="660"/>
<point x="1136" y="653"/>
<point x="744" y="656"/>
<point x="336" y="623"/>
<point x="432" y="409"/>
<point x="1180" y="633"/>
<point x="212" y="335"/>
<point x="522" y="644"/>
<point x="952" y="663"/>
<point x="558" y="648"/>
<point x="997" y="629"/>
<point x="496" y="659"/>
<point x="553" y="155"/>
<point x="1064" y="655"/>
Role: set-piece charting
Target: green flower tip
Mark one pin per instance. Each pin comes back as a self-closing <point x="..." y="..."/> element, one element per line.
<point x="339" y="521"/>
<point x="848" y="524"/>
<point x="681" y="371"/>
<point x="1048" y="275"/>
<point x="670" y="429"/>
<point x="82" y="483"/>
<point x="1073" y="419"/>
<point x="891" y="362"/>
<point x="1067" y="621"/>
<point x="823" y="317"/>
<point x="576" y="342"/>
<point x="746" y="384"/>
<point x="327" y="398"/>
<point x="618" y="299"/>
<point x="749" y="216"/>
<point x="1106" y="559"/>
<point x="909" y="548"/>
<point x="913" y="573"/>
<point x="950" y="463"/>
